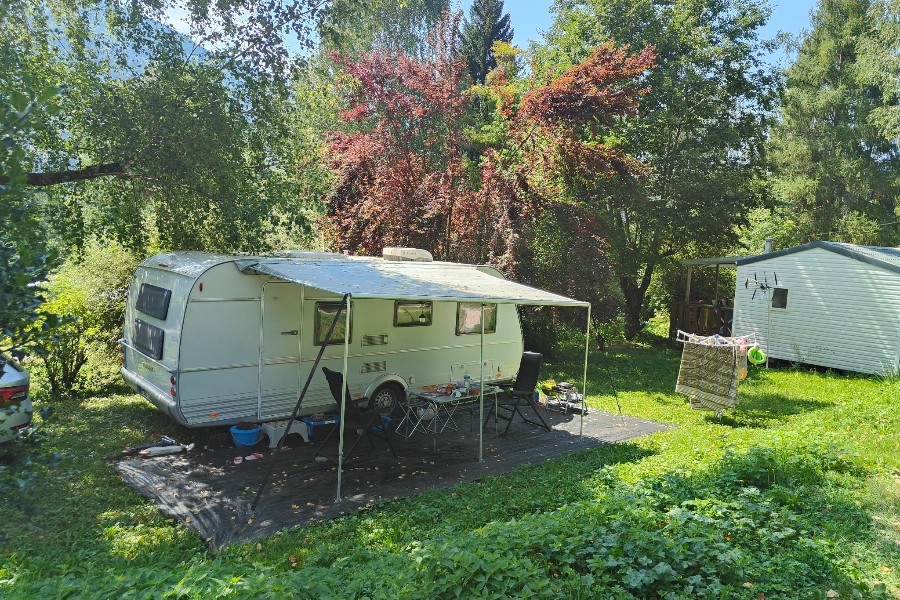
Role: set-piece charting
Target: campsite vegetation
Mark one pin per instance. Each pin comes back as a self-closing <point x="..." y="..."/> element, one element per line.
<point x="632" y="134"/>
<point x="792" y="495"/>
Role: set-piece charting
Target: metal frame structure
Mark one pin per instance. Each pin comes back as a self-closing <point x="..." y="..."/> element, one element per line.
<point x="525" y="295"/>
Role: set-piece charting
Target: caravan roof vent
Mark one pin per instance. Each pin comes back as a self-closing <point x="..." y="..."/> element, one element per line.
<point x="303" y="254"/>
<point x="408" y="254"/>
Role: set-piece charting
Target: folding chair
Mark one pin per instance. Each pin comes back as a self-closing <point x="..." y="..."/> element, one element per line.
<point x="366" y="422"/>
<point x="520" y="394"/>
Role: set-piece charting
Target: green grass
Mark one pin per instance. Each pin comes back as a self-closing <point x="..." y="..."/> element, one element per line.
<point x="793" y="494"/>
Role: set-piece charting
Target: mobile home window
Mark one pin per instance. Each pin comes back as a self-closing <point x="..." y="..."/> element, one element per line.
<point x="325" y="312"/>
<point x="148" y="339"/>
<point x="779" y="298"/>
<point x="468" y="318"/>
<point x="412" y="314"/>
<point x="153" y="301"/>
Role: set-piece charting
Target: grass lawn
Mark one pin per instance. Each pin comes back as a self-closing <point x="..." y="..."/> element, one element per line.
<point x="795" y="494"/>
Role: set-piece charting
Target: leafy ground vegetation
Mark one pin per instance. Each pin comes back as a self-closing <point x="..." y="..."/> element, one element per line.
<point x="796" y="494"/>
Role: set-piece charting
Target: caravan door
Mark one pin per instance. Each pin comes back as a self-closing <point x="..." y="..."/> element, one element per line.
<point x="279" y="361"/>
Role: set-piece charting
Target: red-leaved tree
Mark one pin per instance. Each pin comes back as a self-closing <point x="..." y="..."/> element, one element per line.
<point x="401" y="177"/>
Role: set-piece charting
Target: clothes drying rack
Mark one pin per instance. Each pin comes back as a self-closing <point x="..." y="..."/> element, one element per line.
<point x="747" y="341"/>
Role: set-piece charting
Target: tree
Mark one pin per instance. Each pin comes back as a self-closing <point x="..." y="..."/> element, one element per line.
<point x="701" y="127"/>
<point x="352" y="27"/>
<point x="486" y="24"/>
<point x="25" y="262"/>
<point x="159" y="140"/>
<point x="834" y="150"/>
<point x="400" y="172"/>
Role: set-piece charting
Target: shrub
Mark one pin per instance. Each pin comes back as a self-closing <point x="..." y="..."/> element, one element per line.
<point x="90" y="289"/>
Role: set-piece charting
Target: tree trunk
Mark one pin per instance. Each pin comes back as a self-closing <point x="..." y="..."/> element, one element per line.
<point x="56" y="177"/>
<point x="635" y="293"/>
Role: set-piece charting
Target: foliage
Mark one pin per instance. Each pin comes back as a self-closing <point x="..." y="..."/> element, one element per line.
<point x="485" y="26"/>
<point x="354" y="27"/>
<point x="25" y="260"/>
<point x="159" y="139"/>
<point x="91" y="290"/>
<point x="790" y="495"/>
<point x="400" y="171"/>
<point x="835" y="150"/>
<point x="508" y="59"/>
<point x="701" y="127"/>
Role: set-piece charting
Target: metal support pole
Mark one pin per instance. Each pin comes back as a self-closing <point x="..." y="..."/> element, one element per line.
<point x="343" y="400"/>
<point x="587" y="337"/>
<point x="481" y="396"/>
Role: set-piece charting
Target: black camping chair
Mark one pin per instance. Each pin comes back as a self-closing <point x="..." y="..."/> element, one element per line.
<point x="520" y="394"/>
<point x="367" y="422"/>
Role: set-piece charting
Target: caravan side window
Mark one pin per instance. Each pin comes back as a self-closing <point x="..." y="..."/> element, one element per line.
<point x="412" y="314"/>
<point x="780" y="298"/>
<point x="325" y="312"/>
<point x="468" y="318"/>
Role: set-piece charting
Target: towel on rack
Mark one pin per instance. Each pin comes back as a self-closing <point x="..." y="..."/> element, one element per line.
<point x="708" y="376"/>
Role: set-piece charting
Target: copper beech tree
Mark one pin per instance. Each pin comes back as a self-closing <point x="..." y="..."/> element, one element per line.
<point x="403" y="177"/>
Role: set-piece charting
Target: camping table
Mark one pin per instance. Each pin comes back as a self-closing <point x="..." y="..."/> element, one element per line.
<point x="443" y="407"/>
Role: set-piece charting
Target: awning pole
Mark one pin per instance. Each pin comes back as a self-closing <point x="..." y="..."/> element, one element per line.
<point x="343" y="401"/>
<point x="587" y="338"/>
<point x="481" y="395"/>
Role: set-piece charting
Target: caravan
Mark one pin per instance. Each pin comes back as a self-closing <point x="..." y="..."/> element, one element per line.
<point x="214" y="339"/>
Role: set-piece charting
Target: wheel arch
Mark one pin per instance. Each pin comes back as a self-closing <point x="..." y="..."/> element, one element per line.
<point x="383" y="379"/>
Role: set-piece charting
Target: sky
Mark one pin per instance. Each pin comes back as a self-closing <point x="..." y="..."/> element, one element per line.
<point x="530" y="17"/>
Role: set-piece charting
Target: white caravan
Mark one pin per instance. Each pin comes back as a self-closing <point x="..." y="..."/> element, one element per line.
<point x="214" y="339"/>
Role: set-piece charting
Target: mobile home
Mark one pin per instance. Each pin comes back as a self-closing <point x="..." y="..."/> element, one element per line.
<point x="824" y="303"/>
<point x="213" y="339"/>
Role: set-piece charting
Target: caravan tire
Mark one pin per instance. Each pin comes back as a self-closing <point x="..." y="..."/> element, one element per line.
<point x="387" y="397"/>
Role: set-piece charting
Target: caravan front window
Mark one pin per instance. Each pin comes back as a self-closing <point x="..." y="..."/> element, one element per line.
<point x="148" y="339"/>
<point x="153" y="301"/>
<point x="325" y="312"/>
<point x="468" y="318"/>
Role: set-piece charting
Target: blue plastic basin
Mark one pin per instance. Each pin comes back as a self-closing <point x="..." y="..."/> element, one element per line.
<point x="244" y="438"/>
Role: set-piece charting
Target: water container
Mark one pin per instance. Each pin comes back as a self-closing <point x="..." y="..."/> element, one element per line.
<point x="244" y="438"/>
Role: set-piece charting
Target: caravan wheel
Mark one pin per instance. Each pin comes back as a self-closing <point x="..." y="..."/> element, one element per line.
<point x="387" y="398"/>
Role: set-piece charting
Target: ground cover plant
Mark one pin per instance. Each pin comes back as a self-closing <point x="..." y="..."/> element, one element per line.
<point x="796" y="494"/>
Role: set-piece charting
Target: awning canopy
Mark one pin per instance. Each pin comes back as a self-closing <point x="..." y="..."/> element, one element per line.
<point x="398" y="280"/>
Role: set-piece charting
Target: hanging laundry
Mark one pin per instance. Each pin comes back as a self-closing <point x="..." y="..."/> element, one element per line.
<point x="710" y="369"/>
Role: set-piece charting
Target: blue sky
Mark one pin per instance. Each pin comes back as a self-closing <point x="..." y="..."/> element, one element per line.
<point x="530" y="17"/>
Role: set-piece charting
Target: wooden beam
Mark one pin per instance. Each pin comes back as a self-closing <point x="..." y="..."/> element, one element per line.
<point x="716" y="293"/>
<point x="687" y="287"/>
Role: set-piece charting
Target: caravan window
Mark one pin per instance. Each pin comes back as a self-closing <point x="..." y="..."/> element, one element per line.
<point x="780" y="298"/>
<point x="468" y="318"/>
<point x="325" y="312"/>
<point x="412" y="314"/>
<point x="153" y="301"/>
<point x="148" y="339"/>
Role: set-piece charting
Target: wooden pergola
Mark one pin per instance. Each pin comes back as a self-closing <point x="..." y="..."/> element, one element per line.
<point x="699" y="318"/>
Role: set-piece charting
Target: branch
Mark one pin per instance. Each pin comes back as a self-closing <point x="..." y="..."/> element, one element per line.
<point x="56" y="177"/>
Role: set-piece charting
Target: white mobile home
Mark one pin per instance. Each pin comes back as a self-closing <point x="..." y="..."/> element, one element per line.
<point x="215" y="339"/>
<point x="824" y="303"/>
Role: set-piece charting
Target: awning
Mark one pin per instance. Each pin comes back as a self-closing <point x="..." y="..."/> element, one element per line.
<point x="397" y="280"/>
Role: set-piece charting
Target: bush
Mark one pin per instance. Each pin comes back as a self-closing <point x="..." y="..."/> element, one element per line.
<point x="90" y="289"/>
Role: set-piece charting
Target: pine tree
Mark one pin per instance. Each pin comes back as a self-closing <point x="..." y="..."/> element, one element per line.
<point x="486" y="24"/>
<point x="836" y="168"/>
